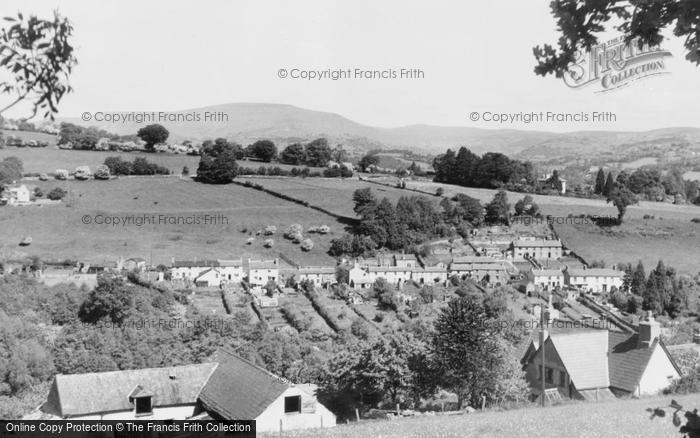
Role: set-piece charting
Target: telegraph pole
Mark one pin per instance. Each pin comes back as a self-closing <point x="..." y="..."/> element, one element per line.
<point x="542" y="339"/>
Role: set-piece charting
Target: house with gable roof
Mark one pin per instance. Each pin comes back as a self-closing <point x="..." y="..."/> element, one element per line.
<point x="226" y="388"/>
<point x="592" y="364"/>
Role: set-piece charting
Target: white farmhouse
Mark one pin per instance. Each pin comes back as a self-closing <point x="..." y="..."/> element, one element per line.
<point x="260" y="272"/>
<point x="318" y="275"/>
<point x="208" y="272"/>
<point x="539" y="249"/>
<point x="18" y="195"/>
<point x="548" y="278"/>
<point x="595" y="280"/>
<point x="359" y="277"/>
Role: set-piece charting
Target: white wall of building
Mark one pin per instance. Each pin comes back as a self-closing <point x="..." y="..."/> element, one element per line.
<point x="658" y="374"/>
<point x="274" y="416"/>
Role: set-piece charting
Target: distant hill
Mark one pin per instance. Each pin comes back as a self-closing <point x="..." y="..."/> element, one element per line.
<point x="285" y="124"/>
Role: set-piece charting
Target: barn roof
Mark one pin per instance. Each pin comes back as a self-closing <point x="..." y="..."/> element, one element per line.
<point x="82" y="394"/>
<point x="239" y="389"/>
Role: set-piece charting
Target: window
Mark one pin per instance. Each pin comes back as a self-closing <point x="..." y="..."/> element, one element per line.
<point x="549" y="375"/>
<point x="292" y="404"/>
<point x="143" y="406"/>
<point x="562" y="379"/>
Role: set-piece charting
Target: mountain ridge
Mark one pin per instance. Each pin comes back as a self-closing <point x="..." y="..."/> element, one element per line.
<point x="285" y="123"/>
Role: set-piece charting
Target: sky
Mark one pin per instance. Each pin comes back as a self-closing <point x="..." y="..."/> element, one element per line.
<point x="475" y="57"/>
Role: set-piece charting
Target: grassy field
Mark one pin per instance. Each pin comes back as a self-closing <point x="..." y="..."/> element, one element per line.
<point x="28" y="136"/>
<point x="58" y="230"/>
<point x="46" y="160"/>
<point x="620" y="418"/>
<point x="333" y="194"/>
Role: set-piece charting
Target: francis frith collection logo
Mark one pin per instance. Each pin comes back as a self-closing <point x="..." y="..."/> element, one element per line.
<point x="615" y="64"/>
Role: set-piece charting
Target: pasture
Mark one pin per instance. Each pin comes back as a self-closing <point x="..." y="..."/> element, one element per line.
<point x="47" y="160"/>
<point x="157" y="222"/>
<point x="619" y="418"/>
<point x="332" y="194"/>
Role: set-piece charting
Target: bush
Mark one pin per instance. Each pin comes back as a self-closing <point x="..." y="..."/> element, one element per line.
<point x="102" y="172"/>
<point x="270" y="230"/>
<point x="269" y="243"/>
<point x="293" y="231"/>
<point x="307" y="245"/>
<point x="57" y="194"/>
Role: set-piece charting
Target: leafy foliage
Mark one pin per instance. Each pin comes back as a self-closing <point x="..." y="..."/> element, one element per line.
<point x="152" y="135"/>
<point x="579" y="22"/>
<point x="38" y="56"/>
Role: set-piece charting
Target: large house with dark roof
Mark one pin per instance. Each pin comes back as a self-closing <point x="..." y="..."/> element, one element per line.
<point x="591" y="364"/>
<point x="227" y="388"/>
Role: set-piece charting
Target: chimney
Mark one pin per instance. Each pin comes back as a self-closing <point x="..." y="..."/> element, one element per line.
<point x="649" y="331"/>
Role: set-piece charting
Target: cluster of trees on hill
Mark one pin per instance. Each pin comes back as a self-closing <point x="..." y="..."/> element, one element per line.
<point x="663" y="291"/>
<point x="649" y="184"/>
<point x="139" y="166"/>
<point x="492" y="170"/>
<point x="415" y="219"/>
<point x="316" y="153"/>
<point x="86" y="138"/>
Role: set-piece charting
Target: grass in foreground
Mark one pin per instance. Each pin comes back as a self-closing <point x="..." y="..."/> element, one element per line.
<point x="620" y="418"/>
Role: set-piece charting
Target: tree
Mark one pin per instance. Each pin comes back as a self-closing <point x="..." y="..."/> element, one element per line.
<point x="293" y="154"/>
<point x="263" y="150"/>
<point x="152" y="135"/>
<point x="56" y="194"/>
<point x="473" y="353"/>
<point x="609" y="185"/>
<point x="102" y="172"/>
<point x="365" y="202"/>
<point x="526" y="206"/>
<point x="318" y="153"/>
<point x="367" y="161"/>
<point x="468" y="209"/>
<point x="38" y="56"/>
<point x="622" y="197"/>
<point x="219" y="170"/>
<point x="497" y="211"/>
<point x="112" y="300"/>
<point x="638" y="281"/>
<point x="118" y="166"/>
<point x="579" y="23"/>
<point x="386" y="295"/>
<point x="599" y="182"/>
